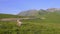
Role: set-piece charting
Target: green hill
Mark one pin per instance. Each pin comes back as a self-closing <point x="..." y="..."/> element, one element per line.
<point x="49" y="25"/>
<point x="10" y="16"/>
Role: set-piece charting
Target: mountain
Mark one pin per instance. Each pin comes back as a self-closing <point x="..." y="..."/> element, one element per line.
<point x="28" y="13"/>
<point x="32" y="12"/>
<point x="38" y="12"/>
<point x="53" y="9"/>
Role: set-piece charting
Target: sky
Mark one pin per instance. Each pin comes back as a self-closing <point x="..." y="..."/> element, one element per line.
<point x="16" y="6"/>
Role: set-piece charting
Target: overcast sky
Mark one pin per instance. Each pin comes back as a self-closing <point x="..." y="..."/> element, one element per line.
<point x="16" y="6"/>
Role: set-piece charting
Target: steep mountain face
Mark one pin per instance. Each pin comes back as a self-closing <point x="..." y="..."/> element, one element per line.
<point x="39" y="12"/>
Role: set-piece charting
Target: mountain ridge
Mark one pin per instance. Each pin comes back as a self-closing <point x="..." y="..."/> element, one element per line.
<point x="35" y="12"/>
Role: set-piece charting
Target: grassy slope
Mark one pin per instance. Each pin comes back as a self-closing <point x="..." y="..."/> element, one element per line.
<point x="50" y="25"/>
<point x="8" y="16"/>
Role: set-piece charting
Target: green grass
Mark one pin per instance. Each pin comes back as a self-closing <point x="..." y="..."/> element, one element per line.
<point x="36" y="26"/>
<point x="50" y="25"/>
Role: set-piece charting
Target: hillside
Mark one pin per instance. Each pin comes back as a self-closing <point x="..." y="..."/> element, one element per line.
<point x="50" y="25"/>
<point x="9" y="16"/>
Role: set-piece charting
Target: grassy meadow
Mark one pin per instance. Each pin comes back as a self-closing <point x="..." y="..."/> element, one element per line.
<point x="49" y="25"/>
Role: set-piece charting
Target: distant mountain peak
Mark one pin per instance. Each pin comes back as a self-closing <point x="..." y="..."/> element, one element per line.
<point x="53" y="9"/>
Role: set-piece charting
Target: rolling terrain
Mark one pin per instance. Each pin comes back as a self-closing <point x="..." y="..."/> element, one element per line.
<point x="48" y="23"/>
